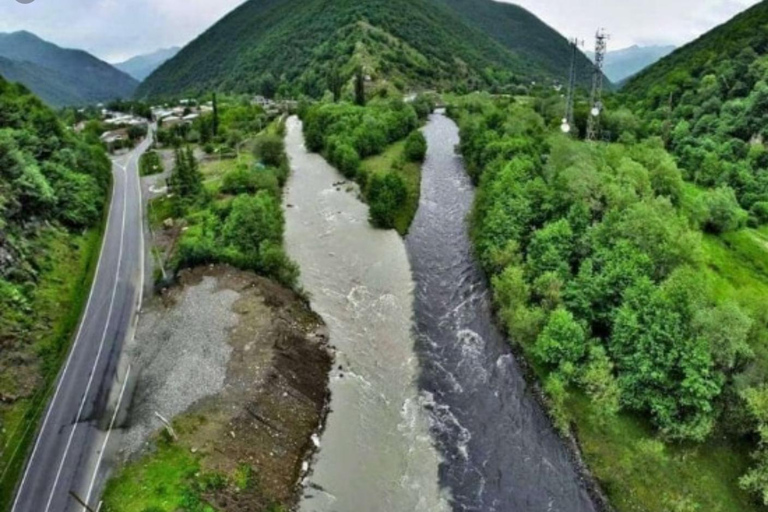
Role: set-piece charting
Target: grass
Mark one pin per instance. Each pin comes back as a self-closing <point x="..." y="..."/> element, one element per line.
<point x="159" y="482"/>
<point x="57" y="303"/>
<point x="213" y="171"/>
<point x="392" y="159"/>
<point x="641" y="474"/>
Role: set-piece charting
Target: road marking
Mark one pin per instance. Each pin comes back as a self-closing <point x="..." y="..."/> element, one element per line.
<point x="141" y="298"/>
<point x="98" y="353"/>
<point x="69" y="358"/>
<point x="106" y="439"/>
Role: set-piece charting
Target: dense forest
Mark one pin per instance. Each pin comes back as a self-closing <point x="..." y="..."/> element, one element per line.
<point x="601" y="272"/>
<point x="708" y="101"/>
<point x="293" y="47"/>
<point x="53" y="187"/>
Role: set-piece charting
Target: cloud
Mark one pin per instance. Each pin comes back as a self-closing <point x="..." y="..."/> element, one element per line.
<point x="636" y="21"/>
<point x="114" y="29"/>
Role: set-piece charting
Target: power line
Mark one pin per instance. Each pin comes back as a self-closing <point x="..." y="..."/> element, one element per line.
<point x="596" y="99"/>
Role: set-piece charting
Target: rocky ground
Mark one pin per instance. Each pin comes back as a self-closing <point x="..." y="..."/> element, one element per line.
<point x="240" y="365"/>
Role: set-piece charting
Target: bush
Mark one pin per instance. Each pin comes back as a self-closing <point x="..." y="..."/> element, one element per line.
<point x="562" y="341"/>
<point x="415" y="147"/>
<point x="270" y="149"/>
<point x="386" y="195"/>
<point x="718" y="211"/>
<point x="243" y="180"/>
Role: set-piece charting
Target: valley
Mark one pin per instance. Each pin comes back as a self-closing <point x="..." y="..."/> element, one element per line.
<point x="333" y="256"/>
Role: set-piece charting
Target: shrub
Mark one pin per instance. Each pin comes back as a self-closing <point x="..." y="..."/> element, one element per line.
<point x="718" y="211"/>
<point x="244" y="180"/>
<point x="386" y="195"/>
<point x="270" y="149"/>
<point x="415" y="147"/>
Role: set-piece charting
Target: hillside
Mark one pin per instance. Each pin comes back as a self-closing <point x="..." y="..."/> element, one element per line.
<point x="708" y="101"/>
<point x="300" y="43"/>
<point x="61" y="77"/>
<point x="141" y="66"/>
<point x="522" y="32"/>
<point x="623" y="64"/>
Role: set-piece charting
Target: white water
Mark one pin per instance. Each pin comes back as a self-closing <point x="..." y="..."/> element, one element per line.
<point x="376" y="453"/>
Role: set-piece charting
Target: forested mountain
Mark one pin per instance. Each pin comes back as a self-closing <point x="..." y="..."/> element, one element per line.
<point x="709" y="101"/>
<point x="141" y="66"/>
<point x="624" y="63"/>
<point x="303" y="45"/>
<point x="523" y="33"/>
<point x="61" y="76"/>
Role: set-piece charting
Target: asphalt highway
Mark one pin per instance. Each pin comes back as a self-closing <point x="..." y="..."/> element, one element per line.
<point x="68" y="453"/>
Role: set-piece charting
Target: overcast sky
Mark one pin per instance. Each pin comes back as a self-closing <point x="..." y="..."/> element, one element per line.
<point x="117" y="29"/>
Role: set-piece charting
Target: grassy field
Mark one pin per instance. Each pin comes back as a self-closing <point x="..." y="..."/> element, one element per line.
<point x="45" y="332"/>
<point x="393" y="160"/>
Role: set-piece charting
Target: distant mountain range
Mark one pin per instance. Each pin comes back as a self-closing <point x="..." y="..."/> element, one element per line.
<point x="302" y="45"/>
<point x="59" y="76"/>
<point x="141" y="66"/>
<point x="625" y="63"/>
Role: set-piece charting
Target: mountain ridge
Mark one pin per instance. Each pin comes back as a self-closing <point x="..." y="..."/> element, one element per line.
<point x="142" y="65"/>
<point x="300" y="43"/>
<point x="61" y="76"/>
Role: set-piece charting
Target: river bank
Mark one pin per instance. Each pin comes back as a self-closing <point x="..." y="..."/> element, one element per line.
<point x="239" y="365"/>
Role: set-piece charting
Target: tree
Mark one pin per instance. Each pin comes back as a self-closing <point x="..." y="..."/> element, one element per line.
<point x="359" y="87"/>
<point x="718" y="210"/>
<point x="335" y="83"/>
<point x="270" y="149"/>
<point x="186" y="180"/>
<point x="563" y="340"/>
<point x="215" y="115"/>
<point x="551" y="249"/>
<point x="415" y="147"/>
<point x="386" y="195"/>
<point x="253" y="220"/>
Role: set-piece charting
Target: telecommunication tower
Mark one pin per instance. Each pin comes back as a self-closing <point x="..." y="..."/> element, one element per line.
<point x="593" y="124"/>
<point x="568" y="123"/>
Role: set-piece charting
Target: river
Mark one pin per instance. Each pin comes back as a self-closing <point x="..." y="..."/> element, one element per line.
<point x="376" y="452"/>
<point x="500" y="451"/>
<point x="430" y="411"/>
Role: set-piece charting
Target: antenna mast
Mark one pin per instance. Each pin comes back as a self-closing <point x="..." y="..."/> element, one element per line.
<point x="593" y="124"/>
<point x="568" y="122"/>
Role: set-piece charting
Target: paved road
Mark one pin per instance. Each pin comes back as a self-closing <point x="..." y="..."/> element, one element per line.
<point x="68" y="452"/>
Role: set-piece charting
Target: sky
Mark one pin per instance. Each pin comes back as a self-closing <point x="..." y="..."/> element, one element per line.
<point x="115" y="30"/>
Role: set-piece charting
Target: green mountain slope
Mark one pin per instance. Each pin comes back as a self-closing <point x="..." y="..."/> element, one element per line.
<point x="61" y="76"/>
<point x="709" y="102"/>
<point x="299" y="42"/>
<point x="522" y="32"/>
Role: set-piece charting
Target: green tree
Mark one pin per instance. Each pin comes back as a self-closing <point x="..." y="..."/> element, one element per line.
<point x="252" y="221"/>
<point x="386" y="195"/>
<point x="415" y="147"/>
<point x="563" y="340"/>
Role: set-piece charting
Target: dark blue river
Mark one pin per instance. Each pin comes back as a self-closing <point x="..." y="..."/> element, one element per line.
<point x="499" y="451"/>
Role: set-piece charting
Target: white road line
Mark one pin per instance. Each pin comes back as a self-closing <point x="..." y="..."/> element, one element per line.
<point x="69" y="358"/>
<point x="106" y="439"/>
<point x="98" y="353"/>
<point x="141" y="295"/>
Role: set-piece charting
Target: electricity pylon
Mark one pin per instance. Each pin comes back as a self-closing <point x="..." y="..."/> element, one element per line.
<point x="596" y="100"/>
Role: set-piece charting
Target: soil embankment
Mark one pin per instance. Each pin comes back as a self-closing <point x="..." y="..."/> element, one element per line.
<point x="241" y="364"/>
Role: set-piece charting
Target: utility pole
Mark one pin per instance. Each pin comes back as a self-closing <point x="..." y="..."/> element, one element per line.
<point x="568" y="122"/>
<point x="596" y="100"/>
